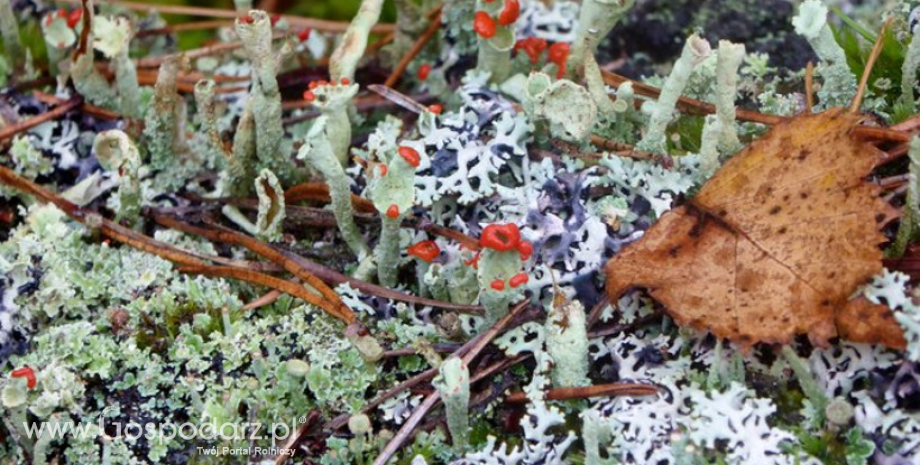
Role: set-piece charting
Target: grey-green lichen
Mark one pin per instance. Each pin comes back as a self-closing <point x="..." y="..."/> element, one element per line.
<point x="9" y="28"/>
<point x="112" y="37"/>
<point x="567" y="108"/>
<point x="344" y="59"/>
<point x="729" y="58"/>
<point x="496" y="267"/>
<point x="271" y="206"/>
<point x="88" y="81"/>
<point x="567" y="343"/>
<point x="391" y="188"/>
<point x="910" y="215"/>
<point x="318" y="152"/>
<point x="118" y="155"/>
<point x="265" y="96"/>
<point x="596" y="19"/>
<point x="695" y="51"/>
<point x="161" y="129"/>
<point x="495" y="52"/>
<point x="839" y="86"/>
<point x="453" y="384"/>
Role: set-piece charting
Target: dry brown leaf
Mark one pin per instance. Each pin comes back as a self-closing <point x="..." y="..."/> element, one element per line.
<point x="775" y="243"/>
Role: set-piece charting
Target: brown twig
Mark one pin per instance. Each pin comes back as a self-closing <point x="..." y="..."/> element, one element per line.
<point x="272" y="282"/>
<point x="317" y="24"/>
<point x="332" y="303"/>
<point x="22" y="126"/>
<point x="432" y="399"/>
<point x="267" y="299"/>
<point x="92" y="110"/>
<point x="326" y="275"/>
<point x="600" y="390"/>
<point x="108" y="228"/>
<point x="397" y="97"/>
<point x="185" y="27"/>
<point x="870" y="63"/>
<point x="688" y="104"/>
<point x="320" y="191"/>
<point x="881" y="134"/>
<point x="417" y="47"/>
<point x="809" y="86"/>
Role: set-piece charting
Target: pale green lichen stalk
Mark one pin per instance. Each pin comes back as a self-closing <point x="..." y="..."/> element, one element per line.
<point x="264" y="95"/>
<point x="566" y="108"/>
<point x="88" y="81"/>
<point x="207" y="117"/>
<point x="317" y="150"/>
<point x="497" y="266"/>
<point x="909" y="72"/>
<point x="344" y="59"/>
<point x="363" y="342"/>
<point x="118" y="155"/>
<point x="695" y="51"/>
<point x="271" y="206"/>
<point x="113" y="38"/>
<point x="567" y="343"/>
<point x="393" y="194"/>
<point x="161" y="130"/>
<point x="594" y="431"/>
<point x="595" y="20"/>
<point x="728" y="61"/>
<point x="453" y="383"/>
<point x="58" y="39"/>
<point x="911" y="209"/>
<point x="839" y="85"/>
<point x="495" y="52"/>
<point x="9" y="28"/>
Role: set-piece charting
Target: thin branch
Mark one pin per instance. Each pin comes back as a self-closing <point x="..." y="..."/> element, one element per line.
<point x="299" y="21"/>
<point x="185" y="27"/>
<point x="272" y="282"/>
<point x="417" y="47"/>
<point x="600" y="390"/>
<point x="267" y="299"/>
<point x="689" y="104"/>
<point x="92" y="110"/>
<point x="332" y="302"/>
<point x="809" y="86"/>
<point x="406" y="430"/>
<point x="22" y="126"/>
<point x="870" y="63"/>
<point x="293" y="261"/>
